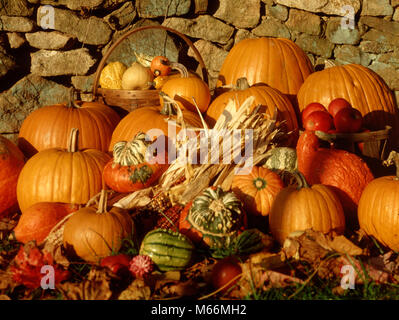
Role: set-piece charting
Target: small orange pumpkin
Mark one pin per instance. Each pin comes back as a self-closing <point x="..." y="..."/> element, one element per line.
<point x="186" y="88"/>
<point x="304" y="207"/>
<point x="257" y="190"/>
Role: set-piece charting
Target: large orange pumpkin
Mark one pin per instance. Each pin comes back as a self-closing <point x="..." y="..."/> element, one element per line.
<point x="49" y="127"/>
<point x="149" y="118"/>
<point x="257" y="190"/>
<point x="61" y="175"/>
<point x="277" y="62"/>
<point x="364" y="89"/>
<point x="270" y="100"/>
<point x="11" y="162"/>
<point x="304" y="207"/>
<point x="379" y="206"/>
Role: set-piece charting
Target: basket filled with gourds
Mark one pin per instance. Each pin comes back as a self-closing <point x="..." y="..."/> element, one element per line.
<point x="139" y="85"/>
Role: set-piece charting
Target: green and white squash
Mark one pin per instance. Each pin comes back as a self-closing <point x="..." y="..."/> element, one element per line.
<point x="213" y="218"/>
<point x="169" y="250"/>
<point x="282" y="158"/>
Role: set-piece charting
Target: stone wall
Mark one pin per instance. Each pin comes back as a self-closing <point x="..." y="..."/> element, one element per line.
<point x="46" y="50"/>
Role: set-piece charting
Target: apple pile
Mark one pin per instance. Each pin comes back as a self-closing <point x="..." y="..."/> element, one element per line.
<point x="341" y="117"/>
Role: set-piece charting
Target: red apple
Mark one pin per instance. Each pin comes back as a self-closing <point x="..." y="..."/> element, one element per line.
<point x="312" y="107"/>
<point x="224" y="271"/>
<point x="318" y="120"/>
<point x="348" y="120"/>
<point x="116" y="262"/>
<point x="338" y="104"/>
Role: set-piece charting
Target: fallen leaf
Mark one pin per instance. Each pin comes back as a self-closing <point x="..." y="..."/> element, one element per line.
<point x="6" y="281"/>
<point x="95" y="287"/>
<point x="178" y="289"/>
<point x="138" y="290"/>
<point x="343" y="245"/>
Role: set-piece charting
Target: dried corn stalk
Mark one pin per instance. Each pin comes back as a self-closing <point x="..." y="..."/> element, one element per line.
<point x="245" y="129"/>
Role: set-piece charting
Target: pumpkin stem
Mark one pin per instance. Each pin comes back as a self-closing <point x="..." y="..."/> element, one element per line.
<point x="300" y="178"/>
<point x="102" y="204"/>
<point x="242" y="84"/>
<point x="181" y="68"/>
<point x="329" y="64"/>
<point x="71" y="103"/>
<point x="393" y="159"/>
<point x="73" y="140"/>
<point x="168" y="108"/>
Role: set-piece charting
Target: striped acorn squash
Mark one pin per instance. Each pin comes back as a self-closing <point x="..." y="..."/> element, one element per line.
<point x="213" y="218"/>
<point x="168" y="249"/>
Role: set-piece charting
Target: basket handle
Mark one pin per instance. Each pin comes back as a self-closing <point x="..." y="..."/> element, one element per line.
<point x="112" y="48"/>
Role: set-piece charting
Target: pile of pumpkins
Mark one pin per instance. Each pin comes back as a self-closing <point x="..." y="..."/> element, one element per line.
<point x="70" y="152"/>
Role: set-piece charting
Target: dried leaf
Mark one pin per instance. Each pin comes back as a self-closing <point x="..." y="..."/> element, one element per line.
<point x="179" y="289"/>
<point x="343" y="245"/>
<point x="138" y="290"/>
<point x="95" y="287"/>
<point x="56" y="250"/>
<point x="6" y="281"/>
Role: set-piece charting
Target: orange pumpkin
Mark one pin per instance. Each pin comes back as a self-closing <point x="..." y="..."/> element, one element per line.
<point x="364" y="89"/>
<point x="379" y="206"/>
<point x="257" y="190"/>
<point x="304" y="207"/>
<point x="61" y="175"/>
<point x="11" y="162"/>
<point x="186" y="88"/>
<point x="49" y="127"/>
<point x="345" y="172"/>
<point x="270" y="100"/>
<point x="39" y="219"/>
<point x="146" y="119"/>
<point x="93" y="233"/>
<point x="277" y="62"/>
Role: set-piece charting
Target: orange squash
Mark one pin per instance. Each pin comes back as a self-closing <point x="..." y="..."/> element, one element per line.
<point x="304" y="207"/>
<point x="269" y="99"/>
<point x="345" y="172"/>
<point x="39" y="219"/>
<point x="277" y="62"/>
<point x="257" y="190"/>
<point x="379" y="206"/>
<point x="61" y="175"/>
<point x="49" y="127"/>
<point x="11" y="162"/>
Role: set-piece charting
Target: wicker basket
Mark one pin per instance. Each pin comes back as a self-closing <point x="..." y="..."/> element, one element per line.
<point x="375" y="142"/>
<point x="132" y="99"/>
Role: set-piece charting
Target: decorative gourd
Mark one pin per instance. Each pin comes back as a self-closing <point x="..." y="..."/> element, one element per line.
<point x="160" y="66"/>
<point x="94" y="233"/>
<point x="363" y="88"/>
<point x="344" y="171"/>
<point x="269" y="99"/>
<point x="147" y="119"/>
<point x="39" y="219"/>
<point x="304" y="207"/>
<point x="213" y="218"/>
<point x="61" y="175"/>
<point x="11" y="162"/>
<point x="169" y="250"/>
<point x="111" y="75"/>
<point x="378" y="207"/>
<point x="186" y="88"/>
<point x="131" y="168"/>
<point x="49" y="127"/>
<point x="257" y="190"/>
<point x="282" y="158"/>
<point x="137" y="77"/>
<point x="277" y="62"/>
